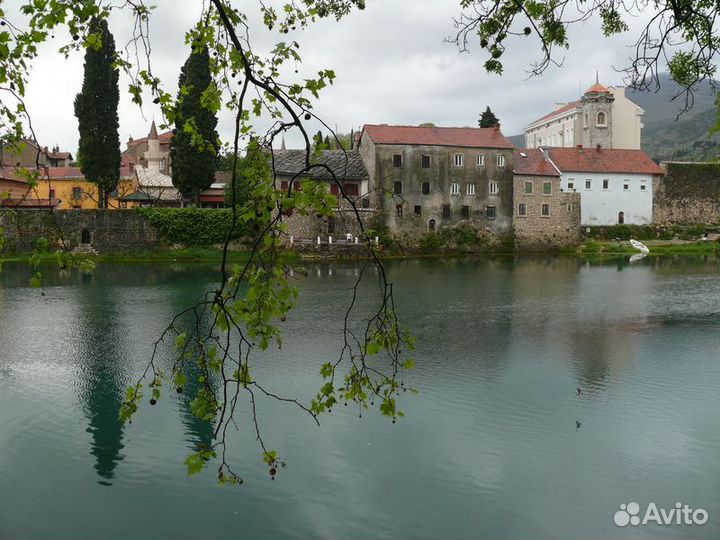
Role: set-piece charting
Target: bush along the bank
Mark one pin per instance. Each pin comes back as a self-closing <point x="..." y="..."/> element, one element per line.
<point x="648" y="232"/>
<point x="192" y="226"/>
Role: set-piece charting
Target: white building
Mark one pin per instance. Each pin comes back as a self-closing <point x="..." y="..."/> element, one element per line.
<point x="615" y="185"/>
<point x="601" y="116"/>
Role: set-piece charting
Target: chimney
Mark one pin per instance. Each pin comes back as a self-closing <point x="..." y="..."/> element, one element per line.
<point x="496" y="127"/>
<point x="598" y="147"/>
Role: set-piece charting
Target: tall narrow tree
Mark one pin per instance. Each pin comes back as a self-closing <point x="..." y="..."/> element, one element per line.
<point x="488" y="119"/>
<point x="96" y="110"/>
<point x="193" y="150"/>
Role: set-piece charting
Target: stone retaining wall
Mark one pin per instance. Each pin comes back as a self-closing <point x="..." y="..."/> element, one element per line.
<point x="106" y="230"/>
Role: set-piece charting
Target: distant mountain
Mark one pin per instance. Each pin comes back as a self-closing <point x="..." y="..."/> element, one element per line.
<point x="518" y="141"/>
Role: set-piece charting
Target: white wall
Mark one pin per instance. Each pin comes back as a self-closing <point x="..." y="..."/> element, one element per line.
<point x="627" y="121"/>
<point x="600" y="206"/>
<point x="558" y="132"/>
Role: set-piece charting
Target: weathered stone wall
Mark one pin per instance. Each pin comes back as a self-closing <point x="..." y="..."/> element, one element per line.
<point x="535" y="231"/>
<point x="343" y="221"/>
<point x="688" y="193"/>
<point x="108" y="230"/>
<point x="424" y="212"/>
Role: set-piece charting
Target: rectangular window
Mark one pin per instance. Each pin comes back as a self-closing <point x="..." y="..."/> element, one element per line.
<point x="446" y="210"/>
<point x="465" y="211"/>
<point x="418" y="211"/>
<point x="77" y="193"/>
<point x="334" y="189"/>
<point x="52" y="194"/>
<point x="588" y="184"/>
<point x="480" y="160"/>
<point x="490" y="212"/>
<point x="547" y="188"/>
<point x="284" y="185"/>
<point x="426" y="188"/>
<point x="398" y="210"/>
<point x="351" y="190"/>
<point x="425" y="162"/>
<point x="528" y="188"/>
<point x="397" y="160"/>
<point x="571" y="183"/>
<point x="123" y="204"/>
<point x="454" y="189"/>
<point x="643" y="185"/>
<point x="366" y="203"/>
<point x="397" y="188"/>
<point x="500" y="160"/>
<point x="626" y="185"/>
<point x="331" y="225"/>
<point x="606" y="184"/>
<point x="493" y="188"/>
<point x="522" y="209"/>
<point x="471" y="189"/>
<point x="545" y="210"/>
<point x="459" y="160"/>
<point x="297" y="186"/>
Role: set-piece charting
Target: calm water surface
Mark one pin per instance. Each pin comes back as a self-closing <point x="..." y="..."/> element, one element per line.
<point x="490" y="447"/>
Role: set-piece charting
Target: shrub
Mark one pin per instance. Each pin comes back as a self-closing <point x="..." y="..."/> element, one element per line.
<point x="192" y="226"/>
<point x="430" y="242"/>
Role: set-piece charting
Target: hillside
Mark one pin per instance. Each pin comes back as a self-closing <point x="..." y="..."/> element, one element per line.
<point x="668" y="133"/>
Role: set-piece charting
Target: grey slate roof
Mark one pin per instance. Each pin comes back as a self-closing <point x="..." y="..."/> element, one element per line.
<point x="347" y="164"/>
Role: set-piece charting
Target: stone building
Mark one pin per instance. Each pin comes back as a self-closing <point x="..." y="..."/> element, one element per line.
<point x="546" y="217"/>
<point x="603" y="116"/>
<point x="425" y="178"/>
<point x="137" y="149"/>
<point x="28" y="154"/>
<point x="616" y="185"/>
<point x="350" y="173"/>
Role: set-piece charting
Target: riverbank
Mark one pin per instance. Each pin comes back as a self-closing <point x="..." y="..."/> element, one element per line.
<point x="590" y="248"/>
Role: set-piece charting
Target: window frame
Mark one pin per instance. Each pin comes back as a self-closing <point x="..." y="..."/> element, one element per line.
<point x="422" y="188"/>
<point x="493" y="188"/>
<point x="547" y="185"/>
<point x="490" y="209"/>
<point x="397" y="161"/>
<point x="522" y="209"/>
<point x="423" y="158"/>
<point x="543" y="208"/>
<point x="588" y="184"/>
<point x="500" y="161"/>
<point x="528" y="183"/>
<point x="480" y="160"/>
<point x="470" y="189"/>
<point x="397" y="187"/>
<point x="454" y="189"/>
<point x="459" y="163"/>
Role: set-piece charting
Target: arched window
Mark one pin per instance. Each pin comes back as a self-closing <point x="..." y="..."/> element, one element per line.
<point x="85" y="237"/>
<point x="621" y="218"/>
<point x="431" y="225"/>
<point x="600" y="119"/>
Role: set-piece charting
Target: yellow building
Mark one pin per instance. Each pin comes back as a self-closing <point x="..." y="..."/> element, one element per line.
<point x="67" y="187"/>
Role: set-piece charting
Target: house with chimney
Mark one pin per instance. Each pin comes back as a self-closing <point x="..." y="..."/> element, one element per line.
<point x="423" y="178"/>
<point x="603" y="116"/>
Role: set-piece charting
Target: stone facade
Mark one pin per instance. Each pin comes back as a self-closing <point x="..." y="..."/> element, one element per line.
<point x="107" y="230"/>
<point x="545" y="217"/>
<point x="689" y="193"/>
<point x="430" y="178"/>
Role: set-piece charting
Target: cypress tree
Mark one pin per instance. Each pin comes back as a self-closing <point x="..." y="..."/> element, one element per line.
<point x="96" y="110"/>
<point x="193" y="150"/>
<point x="488" y="119"/>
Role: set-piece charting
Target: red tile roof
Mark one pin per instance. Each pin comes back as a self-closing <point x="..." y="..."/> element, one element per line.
<point x="437" y="136"/>
<point x="28" y="202"/>
<point x="530" y="161"/>
<point x="604" y="160"/>
<point x="557" y="112"/>
<point x="60" y="155"/>
<point x="59" y="173"/>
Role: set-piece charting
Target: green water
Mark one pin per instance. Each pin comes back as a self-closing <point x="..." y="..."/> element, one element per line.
<point x="490" y="447"/>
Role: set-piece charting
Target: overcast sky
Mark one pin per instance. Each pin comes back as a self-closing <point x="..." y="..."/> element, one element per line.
<point x="392" y="63"/>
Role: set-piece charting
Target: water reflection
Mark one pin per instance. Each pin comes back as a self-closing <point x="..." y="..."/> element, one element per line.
<point x="100" y="352"/>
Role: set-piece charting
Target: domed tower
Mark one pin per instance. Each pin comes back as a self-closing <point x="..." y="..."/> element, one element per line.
<point x="597" y="116"/>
